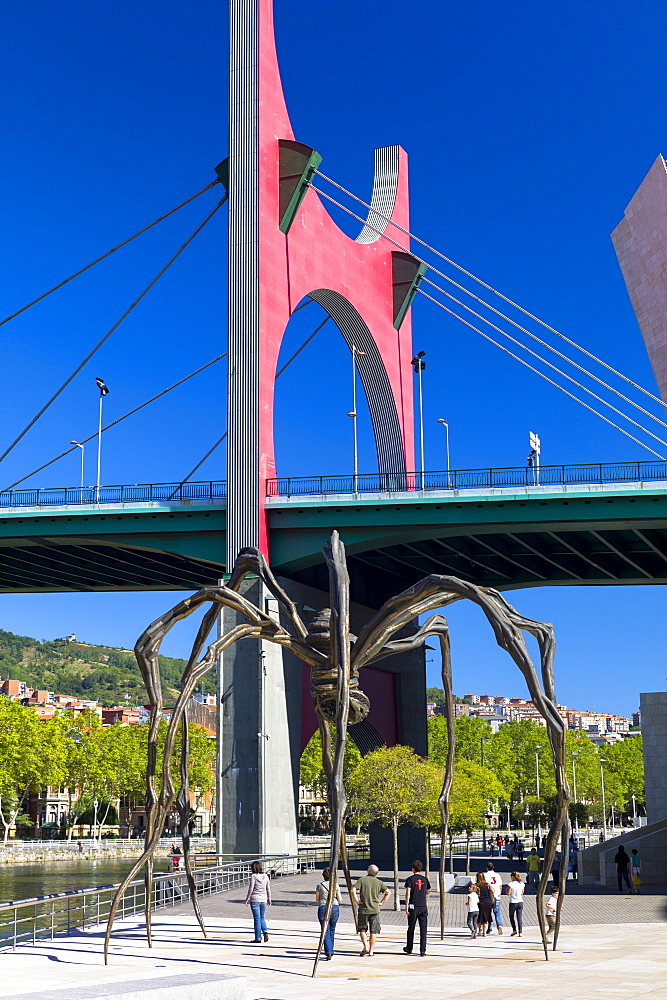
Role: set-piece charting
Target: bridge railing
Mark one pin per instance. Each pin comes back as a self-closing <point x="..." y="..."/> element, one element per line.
<point x="518" y="477"/>
<point x="210" y="491"/>
<point x="88" y="496"/>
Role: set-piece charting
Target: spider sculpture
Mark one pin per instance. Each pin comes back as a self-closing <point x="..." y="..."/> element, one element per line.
<point x="335" y="657"/>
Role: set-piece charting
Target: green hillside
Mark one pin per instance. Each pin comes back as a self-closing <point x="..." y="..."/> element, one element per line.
<point x="102" y="673"/>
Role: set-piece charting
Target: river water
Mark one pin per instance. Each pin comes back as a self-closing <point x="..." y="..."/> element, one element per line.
<point x="41" y="878"/>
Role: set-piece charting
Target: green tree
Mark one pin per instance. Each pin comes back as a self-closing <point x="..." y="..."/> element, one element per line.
<point x="625" y="760"/>
<point x="474" y="789"/>
<point x="385" y="786"/>
<point x="311" y="771"/>
<point x="468" y="732"/>
<point x="32" y="757"/>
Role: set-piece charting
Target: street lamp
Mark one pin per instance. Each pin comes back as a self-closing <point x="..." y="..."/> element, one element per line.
<point x="353" y="414"/>
<point x="481" y="757"/>
<point x="574" y="782"/>
<point x="104" y="391"/>
<point x="604" y="804"/>
<point x="445" y="423"/>
<point x="419" y="365"/>
<point x="537" y="783"/>
<point x="83" y="451"/>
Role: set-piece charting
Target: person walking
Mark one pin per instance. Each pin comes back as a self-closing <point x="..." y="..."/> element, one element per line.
<point x="472" y="906"/>
<point x="321" y="897"/>
<point x="573" y="861"/>
<point x="515" y="891"/>
<point x="258" y="898"/>
<point x="417" y="891"/>
<point x="510" y="850"/>
<point x="496" y="885"/>
<point x="369" y="894"/>
<point x="555" y="868"/>
<point x="622" y="862"/>
<point x="550" y="908"/>
<point x="636" y="866"/>
<point x="519" y="851"/>
<point x="533" y="869"/>
<point x="485" y="904"/>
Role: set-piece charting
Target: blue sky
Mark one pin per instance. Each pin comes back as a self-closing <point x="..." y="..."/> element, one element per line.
<point x="528" y="127"/>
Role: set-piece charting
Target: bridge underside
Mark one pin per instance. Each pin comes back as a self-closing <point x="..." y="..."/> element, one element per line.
<point x="509" y="542"/>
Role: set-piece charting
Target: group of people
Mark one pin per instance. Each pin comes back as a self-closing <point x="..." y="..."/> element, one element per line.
<point x="628" y="869"/>
<point x="370" y="893"/>
<point x="483" y="903"/>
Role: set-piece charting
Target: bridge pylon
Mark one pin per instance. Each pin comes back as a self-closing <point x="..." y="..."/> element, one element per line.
<point x="284" y="246"/>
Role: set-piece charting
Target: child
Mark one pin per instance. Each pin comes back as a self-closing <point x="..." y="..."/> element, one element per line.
<point x="550" y="906"/>
<point x="472" y="903"/>
<point x="636" y="865"/>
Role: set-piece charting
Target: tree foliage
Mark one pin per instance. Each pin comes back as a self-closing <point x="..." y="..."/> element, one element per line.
<point x="385" y="787"/>
<point x="99" y="673"/>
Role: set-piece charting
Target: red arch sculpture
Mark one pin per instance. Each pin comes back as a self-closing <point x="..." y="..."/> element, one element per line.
<point x="283" y="246"/>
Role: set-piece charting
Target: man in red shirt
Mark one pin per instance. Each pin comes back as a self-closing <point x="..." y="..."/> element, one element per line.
<point x="417" y="889"/>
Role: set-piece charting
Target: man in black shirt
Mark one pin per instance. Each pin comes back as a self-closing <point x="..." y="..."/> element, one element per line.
<point x="417" y="889"/>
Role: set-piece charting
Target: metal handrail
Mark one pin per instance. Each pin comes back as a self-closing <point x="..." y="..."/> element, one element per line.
<point x="26" y="921"/>
<point x="455" y="480"/>
<point x="452" y="480"/>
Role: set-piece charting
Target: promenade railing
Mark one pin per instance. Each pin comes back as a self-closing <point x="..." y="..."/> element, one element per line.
<point x="27" y="921"/>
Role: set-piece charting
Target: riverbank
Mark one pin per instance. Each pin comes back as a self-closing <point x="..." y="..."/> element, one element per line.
<point x="34" y="852"/>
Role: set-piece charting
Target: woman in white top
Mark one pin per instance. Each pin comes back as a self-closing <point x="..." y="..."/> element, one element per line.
<point x="472" y="903"/>
<point x="515" y="891"/>
<point x="321" y="896"/>
<point x="258" y="898"/>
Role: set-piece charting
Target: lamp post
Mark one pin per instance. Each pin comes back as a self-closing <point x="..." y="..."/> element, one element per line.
<point x="353" y="415"/>
<point x="574" y="783"/>
<point x="83" y="452"/>
<point x="537" y="784"/>
<point x="481" y="758"/>
<point x="419" y="365"/>
<point x="445" y="423"/>
<point x="104" y="391"/>
<point x="604" y="804"/>
<point x="634" y="812"/>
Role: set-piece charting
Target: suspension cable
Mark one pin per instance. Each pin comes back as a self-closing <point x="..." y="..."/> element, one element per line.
<point x="541" y="374"/>
<point x="107" y="254"/>
<point x="111" y="330"/>
<point x="305" y="344"/>
<point x="118" y="420"/>
<point x="461" y="287"/>
<point x="484" y="284"/>
<point x="544" y="361"/>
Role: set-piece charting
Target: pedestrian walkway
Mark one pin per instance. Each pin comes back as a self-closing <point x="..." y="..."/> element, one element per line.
<point x="621" y="961"/>
<point x="294" y="899"/>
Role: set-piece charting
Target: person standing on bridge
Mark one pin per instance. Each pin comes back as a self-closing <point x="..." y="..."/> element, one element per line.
<point x="417" y="891"/>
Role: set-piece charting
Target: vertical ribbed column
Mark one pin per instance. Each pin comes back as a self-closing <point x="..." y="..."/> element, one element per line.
<point x="243" y="282"/>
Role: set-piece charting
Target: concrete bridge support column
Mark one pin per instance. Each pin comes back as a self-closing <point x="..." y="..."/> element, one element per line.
<point x="260" y="725"/>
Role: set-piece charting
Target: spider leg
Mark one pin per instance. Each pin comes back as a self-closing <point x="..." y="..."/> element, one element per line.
<point x="183" y="803"/>
<point x="339" y="592"/>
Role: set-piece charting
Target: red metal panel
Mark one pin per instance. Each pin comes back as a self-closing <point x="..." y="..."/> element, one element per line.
<point x="315" y="254"/>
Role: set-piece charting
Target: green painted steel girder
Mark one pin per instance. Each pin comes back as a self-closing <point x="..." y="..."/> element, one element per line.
<point x="599" y="537"/>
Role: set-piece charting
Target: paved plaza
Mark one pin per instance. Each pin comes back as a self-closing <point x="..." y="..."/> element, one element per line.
<point x="611" y="943"/>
